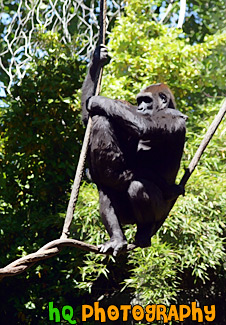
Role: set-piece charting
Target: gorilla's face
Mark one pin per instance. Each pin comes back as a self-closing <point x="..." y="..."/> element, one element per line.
<point x="145" y="103"/>
<point x="154" y="98"/>
<point x="148" y="103"/>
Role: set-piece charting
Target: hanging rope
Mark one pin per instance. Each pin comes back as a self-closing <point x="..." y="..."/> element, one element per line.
<point x="82" y="158"/>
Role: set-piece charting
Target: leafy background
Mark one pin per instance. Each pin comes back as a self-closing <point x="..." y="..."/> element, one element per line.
<point x="41" y="136"/>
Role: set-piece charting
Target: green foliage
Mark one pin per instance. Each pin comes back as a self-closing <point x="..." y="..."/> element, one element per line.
<point x="160" y="54"/>
<point x="204" y="18"/>
<point x="41" y="131"/>
<point x="161" y="261"/>
<point x="41" y="127"/>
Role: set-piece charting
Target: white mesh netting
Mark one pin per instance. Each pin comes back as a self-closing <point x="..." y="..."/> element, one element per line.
<point x="73" y="20"/>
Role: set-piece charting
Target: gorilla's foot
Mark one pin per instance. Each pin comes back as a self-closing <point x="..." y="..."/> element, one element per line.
<point x="173" y="192"/>
<point x="143" y="242"/>
<point x="114" y="244"/>
<point x="143" y="236"/>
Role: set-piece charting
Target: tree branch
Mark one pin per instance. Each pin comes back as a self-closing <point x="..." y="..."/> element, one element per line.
<point x="47" y="251"/>
<point x="182" y="13"/>
<point x="169" y="8"/>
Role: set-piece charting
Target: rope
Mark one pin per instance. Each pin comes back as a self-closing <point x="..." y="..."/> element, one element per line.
<point x="208" y="136"/>
<point x="210" y="132"/>
<point x="83" y="154"/>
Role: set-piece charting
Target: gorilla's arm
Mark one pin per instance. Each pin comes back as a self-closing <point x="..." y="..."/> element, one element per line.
<point x="99" y="59"/>
<point x="121" y="114"/>
<point x="142" y="126"/>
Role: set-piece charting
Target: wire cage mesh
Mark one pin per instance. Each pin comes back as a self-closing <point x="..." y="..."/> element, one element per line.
<point x="76" y="23"/>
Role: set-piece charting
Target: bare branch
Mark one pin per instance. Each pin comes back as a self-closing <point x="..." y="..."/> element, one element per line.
<point x="47" y="251"/>
<point x="169" y="8"/>
<point x="182" y="13"/>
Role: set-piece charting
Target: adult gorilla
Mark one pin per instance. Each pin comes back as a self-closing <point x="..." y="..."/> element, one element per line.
<point x="134" y="156"/>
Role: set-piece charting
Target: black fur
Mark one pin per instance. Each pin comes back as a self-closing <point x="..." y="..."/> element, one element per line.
<point x="134" y="158"/>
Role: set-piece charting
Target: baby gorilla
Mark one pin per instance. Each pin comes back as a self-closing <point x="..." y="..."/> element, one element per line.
<point x="134" y="156"/>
